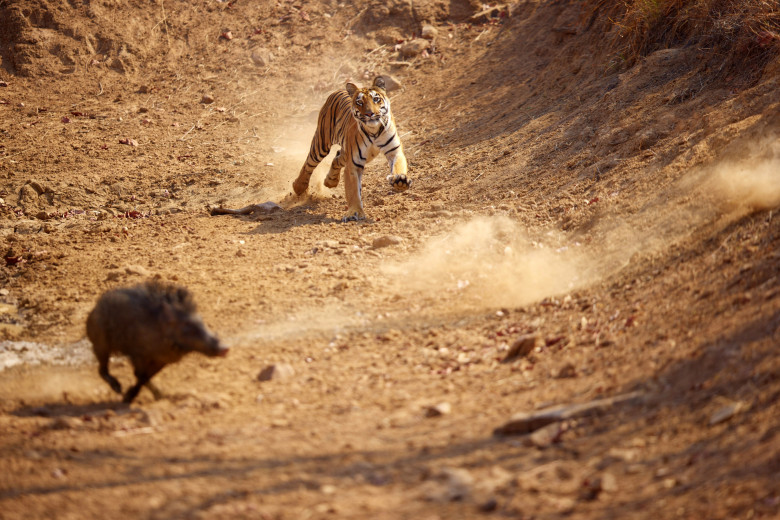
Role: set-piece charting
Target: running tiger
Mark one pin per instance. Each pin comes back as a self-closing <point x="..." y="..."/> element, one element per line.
<point x="360" y="122"/>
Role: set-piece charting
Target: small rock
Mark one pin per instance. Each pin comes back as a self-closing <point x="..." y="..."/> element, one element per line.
<point x="207" y="99"/>
<point x="727" y="412"/>
<point x="114" y="275"/>
<point x="27" y="227"/>
<point x="429" y="32"/>
<point x="414" y="47"/>
<point x="547" y="435"/>
<point x="261" y="57"/>
<point x="328" y="489"/>
<point x="489" y="505"/>
<point x="39" y="189"/>
<point x="279" y="371"/>
<point x="609" y="483"/>
<point x="391" y="83"/>
<point x="521" y="347"/>
<point x="566" y="371"/>
<point x="330" y="244"/>
<point x="227" y="35"/>
<point x="63" y="423"/>
<point x="670" y="483"/>
<point x="448" y="485"/>
<point x="594" y="486"/>
<point x="438" y="410"/>
<point x="647" y="138"/>
<point x="385" y="241"/>
<point x="137" y="270"/>
<point x="565" y="505"/>
<point x="618" y="136"/>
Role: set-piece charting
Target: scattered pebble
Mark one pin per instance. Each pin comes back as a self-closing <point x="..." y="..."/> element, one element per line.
<point x="261" y="57"/>
<point x="137" y="270"/>
<point x="429" y="32"/>
<point x="277" y="372"/>
<point x="727" y="412"/>
<point x="437" y="410"/>
<point x="448" y="485"/>
<point x="207" y="99"/>
<point x="385" y="241"/>
<point x="547" y="435"/>
<point x="391" y="83"/>
<point x="594" y="486"/>
<point x="521" y="347"/>
<point x="566" y="371"/>
<point x="414" y="47"/>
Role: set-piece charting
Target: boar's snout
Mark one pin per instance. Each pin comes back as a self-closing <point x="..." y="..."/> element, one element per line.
<point x="218" y="349"/>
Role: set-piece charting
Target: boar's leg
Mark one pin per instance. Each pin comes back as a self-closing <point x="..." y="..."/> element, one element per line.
<point x="155" y="391"/>
<point x="142" y="375"/>
<point x="108" y="378"/>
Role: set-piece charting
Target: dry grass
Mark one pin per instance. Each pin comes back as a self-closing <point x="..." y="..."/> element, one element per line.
<point x="742" y="33"/>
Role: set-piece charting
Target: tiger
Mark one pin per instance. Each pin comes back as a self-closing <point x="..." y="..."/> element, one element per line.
<point x="359" y="120"/>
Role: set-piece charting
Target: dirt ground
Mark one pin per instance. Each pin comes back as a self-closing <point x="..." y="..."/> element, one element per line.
<point x="624" y="216"/>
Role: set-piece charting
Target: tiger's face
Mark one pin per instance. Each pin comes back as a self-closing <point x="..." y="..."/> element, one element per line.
<point x="370" y="105"/>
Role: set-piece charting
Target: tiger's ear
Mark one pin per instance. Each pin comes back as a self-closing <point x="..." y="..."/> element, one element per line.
<point x="351" y="89"/>
<point x="379" y="82"/>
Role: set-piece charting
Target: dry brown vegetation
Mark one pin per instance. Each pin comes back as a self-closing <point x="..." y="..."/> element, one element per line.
<point x="735" y="33"/>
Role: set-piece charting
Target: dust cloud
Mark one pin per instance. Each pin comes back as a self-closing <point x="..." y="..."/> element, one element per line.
<point x="743" y="187"/>
<point x="491" y="262"/>
<point x="488" y="261"/>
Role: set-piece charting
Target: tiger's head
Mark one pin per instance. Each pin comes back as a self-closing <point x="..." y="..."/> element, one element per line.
<point x="370" y="105"/>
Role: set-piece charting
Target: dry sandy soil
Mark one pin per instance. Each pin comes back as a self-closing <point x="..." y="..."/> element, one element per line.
<point x="623" y="215"/>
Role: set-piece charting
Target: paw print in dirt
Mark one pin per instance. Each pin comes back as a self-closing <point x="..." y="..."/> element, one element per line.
<point x="399" y="182"/>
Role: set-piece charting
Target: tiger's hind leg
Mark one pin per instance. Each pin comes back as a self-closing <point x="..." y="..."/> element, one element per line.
<point x="319" y="149"/>
<point x="332" y="179"/>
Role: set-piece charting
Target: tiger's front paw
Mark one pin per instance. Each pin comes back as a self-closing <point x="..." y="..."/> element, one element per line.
<point x="399" y="182"/>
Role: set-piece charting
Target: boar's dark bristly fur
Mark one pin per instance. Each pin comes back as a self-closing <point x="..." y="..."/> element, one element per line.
<point x="154" y="324"/>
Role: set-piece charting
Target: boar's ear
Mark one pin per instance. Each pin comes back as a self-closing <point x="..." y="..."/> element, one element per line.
<point x="379" y="82"/>
<point x="167" y="313"/>
<point x="351" y="89"/>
